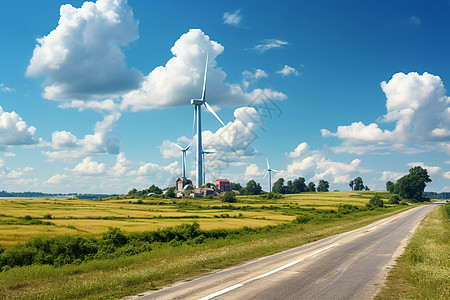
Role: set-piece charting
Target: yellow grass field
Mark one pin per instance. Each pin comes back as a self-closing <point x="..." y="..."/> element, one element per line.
<point x="93" y="217"/>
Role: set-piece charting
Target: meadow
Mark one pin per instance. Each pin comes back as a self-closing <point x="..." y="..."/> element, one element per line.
<point x="139" y="244"/>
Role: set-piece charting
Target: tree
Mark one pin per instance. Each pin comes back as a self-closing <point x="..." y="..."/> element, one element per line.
<point x="412" y="186"/>
<point x="132" y="192"/>
<point x="229" y="197"/>
<point x="278" y="186"/>
<point x="154" y="189"/>
<point x="171" y="192"/>
<point x="323" y="186"/>
<point x="390" y="186"/>
<point x="236" y="186"/>
<point x="290" y="189"/>
<point x="376" y="201"/>
<point x="351" y="184"/>
<point x="253" y="188"/>
<point x="299" y="185"/>
<point x="394" y="199"/>
<point x="358" y="184"/>
<point x="311" y="187"/>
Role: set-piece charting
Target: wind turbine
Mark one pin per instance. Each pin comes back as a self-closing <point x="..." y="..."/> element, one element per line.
<point x="183" y="158"/>
<point x="269" y="171"/>
<point x="204" y="164"/>
<point x="197" y="117"/>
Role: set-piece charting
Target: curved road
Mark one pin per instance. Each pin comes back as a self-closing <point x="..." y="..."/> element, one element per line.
<point x="350" y="265"/>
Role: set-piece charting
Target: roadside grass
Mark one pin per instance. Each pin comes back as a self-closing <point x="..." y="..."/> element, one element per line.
<point x="423" y="271"/>
<point x="125" y="275"/>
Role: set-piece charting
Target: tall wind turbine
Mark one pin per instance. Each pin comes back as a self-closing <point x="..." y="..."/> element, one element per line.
<point x="197" y="117"/>
<point x="183" y="158"/>
<point x="269" y="171"/>
<point x="204" y="164"/>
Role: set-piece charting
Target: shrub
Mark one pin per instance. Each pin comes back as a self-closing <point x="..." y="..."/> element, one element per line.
<point x="376" y="201"/>
<point x="394" y="199"/>
<point x="229" y="197"/>
<point x="47" y="216"/>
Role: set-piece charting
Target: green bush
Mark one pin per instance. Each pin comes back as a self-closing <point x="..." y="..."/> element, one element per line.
<point x="394" y="199"/>
<point x="376" y="201"/>
<point x="229" y="197"/>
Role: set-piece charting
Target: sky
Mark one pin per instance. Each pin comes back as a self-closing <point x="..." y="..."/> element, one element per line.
<point x="92" y="94"/>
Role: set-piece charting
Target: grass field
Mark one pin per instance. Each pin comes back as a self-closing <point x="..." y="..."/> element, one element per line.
<point x="110" y="278"/>
<point x="93" y="217"/>
<point x="423" y="271"/>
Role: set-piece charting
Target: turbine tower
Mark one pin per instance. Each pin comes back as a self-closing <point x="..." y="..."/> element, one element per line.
<point x="183" y="158"/>
<point x="197" y="117"/>
<point x="269" y="171"/>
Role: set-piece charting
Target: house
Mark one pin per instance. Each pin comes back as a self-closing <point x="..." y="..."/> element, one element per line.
<point x="208" y="192"/>
<point x="223" y="185"/>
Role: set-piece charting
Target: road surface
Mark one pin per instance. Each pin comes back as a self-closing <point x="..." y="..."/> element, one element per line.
<point x="350" y="265"/>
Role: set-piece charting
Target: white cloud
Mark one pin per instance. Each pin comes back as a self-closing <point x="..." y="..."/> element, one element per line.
<point x="301" y="148"/>
<point x="156" y="170"/>
<point x="446" y="175"/>
<point x="89" y="167"/>
<point x="250" y="77"/>
<point x="120" y="167"/>
<point x="14" y="130"/>
<point x="9" y="154"/>
<point x="82" y="57"/>
<point x="169" y="150"/>
<point x="287" y="70"/>
<point x="418" y="106"/>
<point x="4" y="88"/>
<point x="100" y="142"/>
<point x="391" y="176"/>
<point x="269" y="44"/>
<point x="430" y="169"/>
<point x="181" y="79"/>
<point x="105" y="105"/>
<point x="253" y="170"/>
<point x="233" y="18"/>
<point x="56" y="179"/>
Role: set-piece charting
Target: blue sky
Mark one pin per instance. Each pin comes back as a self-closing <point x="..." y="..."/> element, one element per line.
<point x="93" y="93"/>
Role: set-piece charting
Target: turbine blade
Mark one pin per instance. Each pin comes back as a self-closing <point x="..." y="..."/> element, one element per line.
<point x="204" y="78"/>
<point x="267" y="161"/>
<point x="178" y="146"/>
<point x="211" y="110"/>
<point x="267" y="172"/>
<point x="275" y="171"/>
<point x="188" y="146"/>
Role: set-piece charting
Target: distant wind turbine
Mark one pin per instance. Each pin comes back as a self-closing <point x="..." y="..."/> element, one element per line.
<point x="183" y="158"/>
<point x="197" y="117"/>
<point x="269" y="171"/>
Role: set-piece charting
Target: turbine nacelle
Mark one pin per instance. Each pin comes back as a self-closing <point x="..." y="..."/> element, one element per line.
<point x="197" y="101"/>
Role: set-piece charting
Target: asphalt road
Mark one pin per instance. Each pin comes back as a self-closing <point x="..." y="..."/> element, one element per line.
<point x="350" y="265"/>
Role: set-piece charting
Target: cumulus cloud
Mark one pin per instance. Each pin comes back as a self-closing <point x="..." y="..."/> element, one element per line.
<point x="56" y="179"/>
<point x="446" y="175"/>
<point x="391" y="176"/>
<point x="82" y="57"/>
<point x="89" y="167"/>
<point x="19" y="172"/>
<point x="431" y="170"/>
<point x="268" y="44"/>
<point x="250" y="77"/>
<point x="181" y="79"/>
<point x="253" y="170"/>
<point x="301" y="148"/>
<point x="233" y="18"/>
<point x="287" y="70"/>
<point x="314" y="164"/>
<point x="101" y="142"/>
<point x="120" y="167"/>
<point x="14" y="130"/>
<point x="105" y="105"/>
<point x="420" y="109"/>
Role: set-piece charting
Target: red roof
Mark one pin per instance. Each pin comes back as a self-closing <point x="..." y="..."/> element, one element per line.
<point x="222" y="180"/>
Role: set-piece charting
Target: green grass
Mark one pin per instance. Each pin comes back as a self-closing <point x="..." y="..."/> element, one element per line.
<point x="124" y="275"/>
<point x="423" y="271"/>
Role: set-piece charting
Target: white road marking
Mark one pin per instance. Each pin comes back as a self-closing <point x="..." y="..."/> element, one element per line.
<point x="233" y="287"/>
